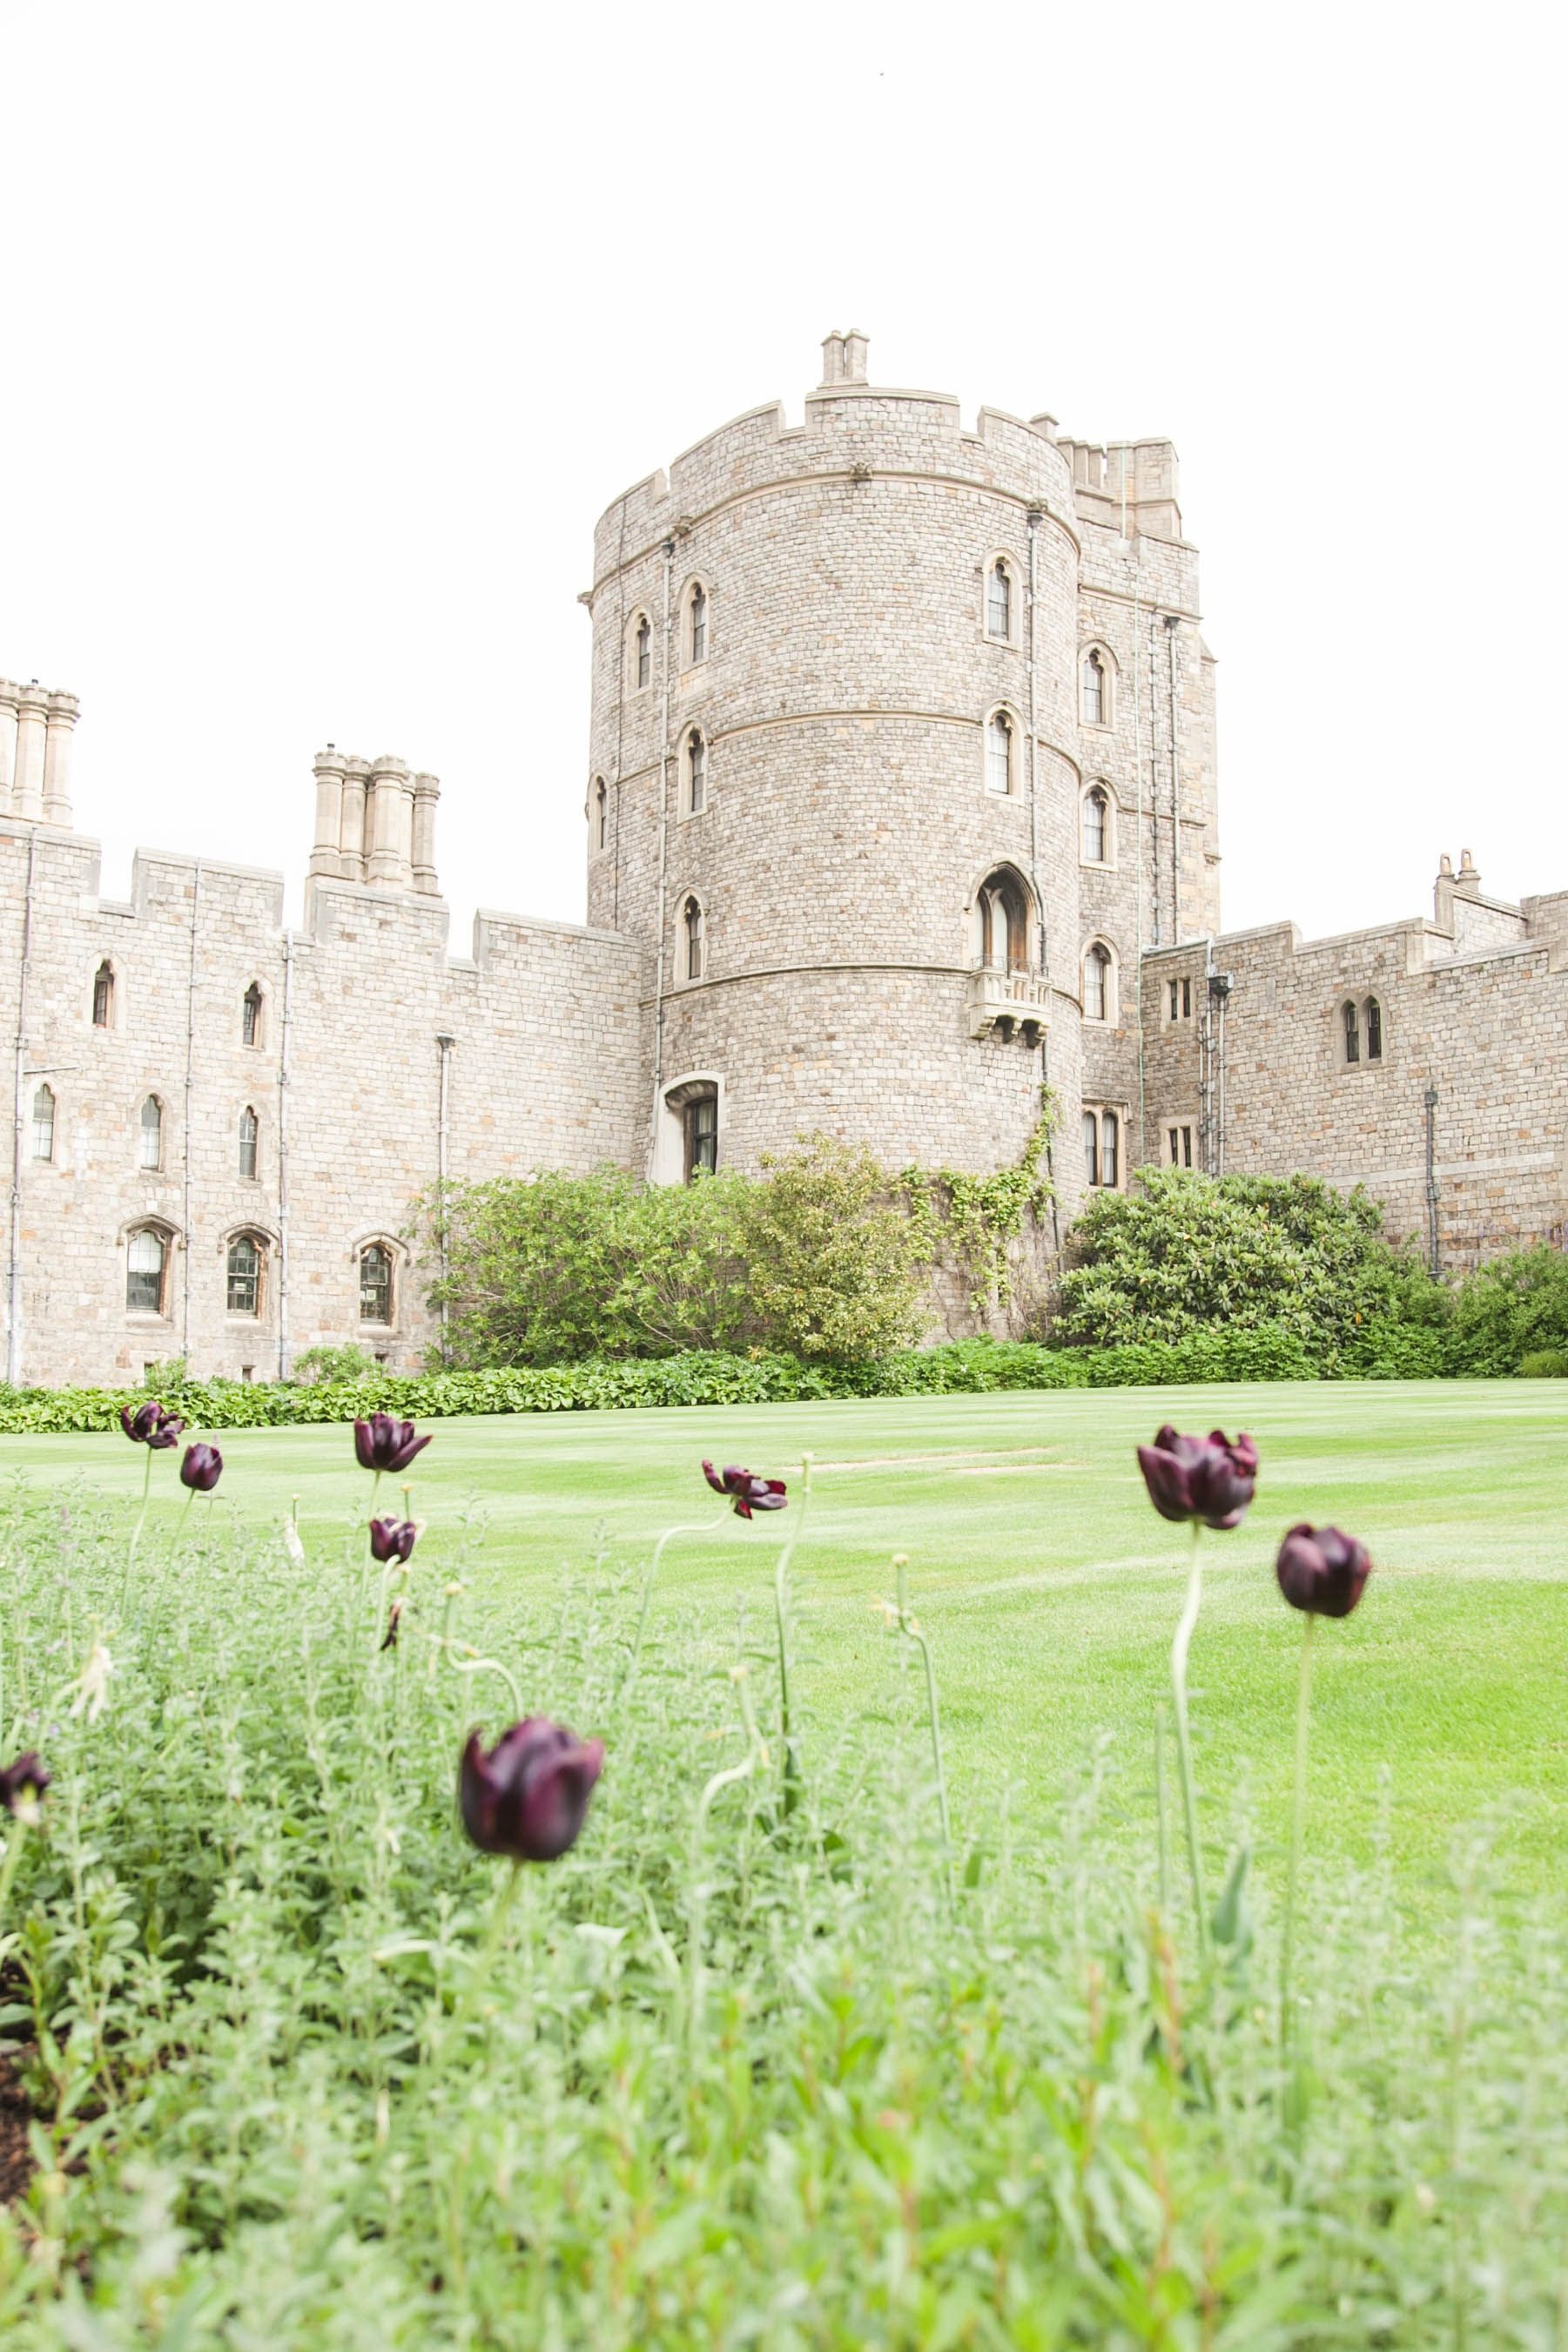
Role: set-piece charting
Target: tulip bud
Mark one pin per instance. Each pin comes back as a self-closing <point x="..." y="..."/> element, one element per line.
<point x="1209" y="1479"/>
<point x="22" y="1786"/>
<point x="393" y="1539"/>
<point x="527" y="1798"/>
<point x="202" y="1469"/>
<point x="1321" y="1570"/>
<point x="749" y="1492"/>
<point x="383" y="1443"/>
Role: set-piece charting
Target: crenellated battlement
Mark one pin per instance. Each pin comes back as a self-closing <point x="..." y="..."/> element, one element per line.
<point x="1127" y="486"/>
<point x="37" y="728"/>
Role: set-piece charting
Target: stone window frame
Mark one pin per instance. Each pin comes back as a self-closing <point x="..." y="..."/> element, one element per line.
<point x="1004" y="557"/>
<point x="597" y="817"/>
<point x="145" y="1094"/>
<point x="1105" y="723"/>
<point x="1181" y="1136"/>
<point x="975" y="918"/>
<point x="641" y="618"/>
<point x="254" y="1174"/>
<point x="254" y="994"/>
<point x="115" y="1008"/>
<point x="671" y="1143"/>
<point x="1368" y="1019"/>
<point x="1188" y="986"/>
<point x="694" y="583"/>
<point x="1111" y="1016"/>
<point x="684" y="810"/>
<point x="399" y="1258"/>
<point x="166" y="1233"/>
<point x="684" y="976"/>
<point x="49" y="1159"/>
<point x="1100" y="1112"/>
<point x="266" y="1243"/>
<point x="1004" y="710"/>
<point x="1107" y="791"/>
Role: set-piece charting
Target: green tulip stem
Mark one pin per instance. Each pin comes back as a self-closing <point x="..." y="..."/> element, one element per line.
<point x="492" y="1667"/>
<point x="179" y="1529"/>
<point x="1179" y="1648"/>
<point x="14" y="1841"/>
<point x="1298" y="1833"/>
<point x="140" y="1518"/>
<point x="756" y="1753"/>
<point x="782" y="1620"/>
<point x="482" y="1970"/>
<point x="1162" y="1811"/>
<point x="698" y="1528"/>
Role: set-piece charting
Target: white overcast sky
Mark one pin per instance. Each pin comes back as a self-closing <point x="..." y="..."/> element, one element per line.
<point x="331" y="328"/>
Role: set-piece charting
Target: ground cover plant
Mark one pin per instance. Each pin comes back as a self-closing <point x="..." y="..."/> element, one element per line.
<point x="765" y="2057"/>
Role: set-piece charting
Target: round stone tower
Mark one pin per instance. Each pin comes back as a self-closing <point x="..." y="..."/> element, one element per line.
<point x="834" y="779"/>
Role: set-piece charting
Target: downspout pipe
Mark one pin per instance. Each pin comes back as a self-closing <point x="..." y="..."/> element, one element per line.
<point x="286" y="1027"/>
<point x="442" y="1132"/>
<point x="663" y="856"/>
<point x="1430" y="1101"/>
<point x="190" y="1097"/>
<point x="1035" y="519"/>
<point x="1171" y="625"/>
<point x="20" y="1109"/>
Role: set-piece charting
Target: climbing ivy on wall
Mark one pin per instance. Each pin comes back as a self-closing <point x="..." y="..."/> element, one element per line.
<point x="974" y="1219"/>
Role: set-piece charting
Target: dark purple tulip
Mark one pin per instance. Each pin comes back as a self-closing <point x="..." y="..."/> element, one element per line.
<point x="529" y="1797"/>
<point x="1208" y="1478"/>
<point x="22" y="1784"/>
<point x="383" y="1443"/>
<point x="749" y="1492"/>
<point x="149" y="1424"/>
<point x="202" y="1469"/>
<point x="393" y="1539"/>
<point x="1321" y="1570"/>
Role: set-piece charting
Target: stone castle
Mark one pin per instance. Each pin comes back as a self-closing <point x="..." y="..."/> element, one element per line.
<point x="901" y="802"/>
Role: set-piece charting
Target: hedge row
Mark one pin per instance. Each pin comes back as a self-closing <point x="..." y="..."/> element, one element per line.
<point x="971" y="1367"/>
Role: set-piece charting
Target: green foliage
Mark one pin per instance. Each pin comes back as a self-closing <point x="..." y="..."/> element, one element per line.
<point x="1544" y="1364"/>
<point x="348" y="1362"/>
<point x="1508" y="1309"/>
<point x="1184" y="1254"/>
<point x="814" y="1257"/>
<point x="973" y="1220"/>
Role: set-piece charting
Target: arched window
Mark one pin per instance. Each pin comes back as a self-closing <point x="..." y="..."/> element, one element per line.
<point x="1000" y="600"/>
<point x="642" y="659"/>
<point x="149" y="1153"/>
<point x="998" y="752"/>
<point x="146" y="1273"/>
<point x="697" y="623"/>
<point x="1096" y="825"/>
<point x="1373" y="1030"/>
<point x="244" y="1262"/>
<point x="699" y="1123"/>
<point x="249" y="1130"/>
<point x="1002" y="908"/>
<point x="1352" y="1033"/>
<point x="1102" y="1148"/>
<point x="696" y="944"/>
<point x="696" y="771"/>
<point x="1096" y="699"/>
<point x="601" y="814"/>
<point x="103" y="995"/>
<point x="250" y="1016"/>
<point x="1099" y="984"/>
<point x="1091" y="1147"/>
<point x="44" y="1123"/>
<point x="376" y="1283"/>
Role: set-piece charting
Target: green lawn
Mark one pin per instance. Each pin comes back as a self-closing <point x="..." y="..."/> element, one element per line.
<point x="1048" y="1584"/>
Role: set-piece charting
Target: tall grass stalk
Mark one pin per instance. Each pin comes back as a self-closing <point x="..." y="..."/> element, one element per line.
<point x="1298" y="1839"/>
<point x="909" y="1626"/>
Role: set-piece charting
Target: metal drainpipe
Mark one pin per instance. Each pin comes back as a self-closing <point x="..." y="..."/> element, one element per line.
<point x="1171" y="626"/>
<point x="190" y="1097"/>
<point x="1430" y="1099"/>
<point x="1044" y="942"/>
<point x="283" y="1365"/>
<point x="663" y="845"/>
<point x="443" y="1130"/>
<point x="14" y="1285"/>
<point x="1154" y="797"/>
<point x="1137" y="677"/>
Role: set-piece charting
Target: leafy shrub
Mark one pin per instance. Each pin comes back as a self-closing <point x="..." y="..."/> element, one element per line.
<point x="1544" y="1364"/>
<point x="835" y="1267"/>
<point x="348" y="1362"/>
<point x="1183" y="1255"/>
<point x="1508" y="1309"/>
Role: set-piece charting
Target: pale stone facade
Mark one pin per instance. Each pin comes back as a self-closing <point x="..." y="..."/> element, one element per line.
<point x="901" y="802"/>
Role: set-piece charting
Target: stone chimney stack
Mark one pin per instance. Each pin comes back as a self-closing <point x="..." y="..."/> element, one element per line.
<point x="59" y="735"/>
<point x="857" y="348"/>
<point x="844" y="358"/>
<point x="375" y="823"/>
<point x="1468" y="881"/>
<point x="32" y="728"/>
<point x="325" y="855"/>
<point x="833" y="358"/>
<point x="389" y="825"/>
<point x="426" y="793"/>
<point x="7" y="741"/>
